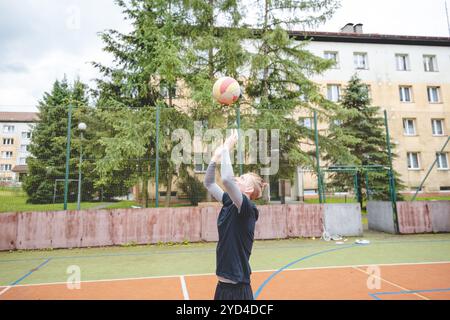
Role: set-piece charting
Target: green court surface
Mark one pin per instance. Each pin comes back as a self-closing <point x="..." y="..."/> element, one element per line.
<point x="49" y="266"/>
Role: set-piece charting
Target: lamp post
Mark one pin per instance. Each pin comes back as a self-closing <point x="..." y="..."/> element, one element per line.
<point x="82" y="127"/>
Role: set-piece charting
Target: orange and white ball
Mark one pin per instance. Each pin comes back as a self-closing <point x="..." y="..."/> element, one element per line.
<point x="226" y="90"/>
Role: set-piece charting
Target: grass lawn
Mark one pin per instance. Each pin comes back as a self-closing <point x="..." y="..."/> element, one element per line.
<point x="15" y="200"/>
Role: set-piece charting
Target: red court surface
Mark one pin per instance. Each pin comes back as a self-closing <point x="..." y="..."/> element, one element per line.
<point x="429" y="281"/>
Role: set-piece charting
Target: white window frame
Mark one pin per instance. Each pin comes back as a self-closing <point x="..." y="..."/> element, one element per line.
<point x="402" y="60"/>
<point x="8" y="141"/>
<point x="361" y="64"/>
<point x="23" y="148"/>
<point x="26" y="135"/>
<point x="7" y="129"/>
<point x="23" y="161"/>
<point x="437" y="91"/>
<point x="430" y="67"/>
<point x="7" y="154"/>
<point x="409" y="156"/>
<point x="327" y="54"/>
<point x="439" y="157"/>
<point x="434" y="127"/>
<point x="402" y="92"/>
<point x="5" y="167"/>
<point x="407" y="129"/>
<point x="332" y="90"/>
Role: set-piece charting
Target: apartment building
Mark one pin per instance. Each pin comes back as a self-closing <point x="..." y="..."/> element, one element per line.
<point x="15" y="136"/>
<point x="409" y="77"/>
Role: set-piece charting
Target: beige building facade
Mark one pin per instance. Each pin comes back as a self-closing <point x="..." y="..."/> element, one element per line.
<point x="15" y="137"/>
<point x="409" y="77"/>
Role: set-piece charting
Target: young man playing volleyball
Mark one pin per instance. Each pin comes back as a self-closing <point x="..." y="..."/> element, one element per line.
<point x="236" y="224"/>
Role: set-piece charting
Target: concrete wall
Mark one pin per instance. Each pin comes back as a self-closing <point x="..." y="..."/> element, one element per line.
<point x="380" y="216"/>
<point x="343" y="219"/>
<point x="424" y="216"/>
<point x="440" y="215"/>
<point x="91" y="228"/>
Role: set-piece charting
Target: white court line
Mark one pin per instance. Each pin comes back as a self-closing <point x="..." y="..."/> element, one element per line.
<point x="391" y="283"/>
<point x="258" y="271"/>
<point x="4" y="290"/>
<point x="184" y="288"/>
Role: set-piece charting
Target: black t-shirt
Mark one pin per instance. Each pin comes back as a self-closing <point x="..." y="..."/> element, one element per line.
<point x="236" y="235"/>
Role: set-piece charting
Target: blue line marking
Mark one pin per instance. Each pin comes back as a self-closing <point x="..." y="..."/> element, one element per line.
<point x="261" y="287"/>
<point x="375" y="295"/>
<point x="30" y="272"/>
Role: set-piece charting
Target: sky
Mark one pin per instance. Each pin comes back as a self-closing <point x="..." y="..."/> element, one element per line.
<point x="45" y="40"/>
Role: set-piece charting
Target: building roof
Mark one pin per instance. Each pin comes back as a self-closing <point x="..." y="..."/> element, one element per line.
<point x="355" y="37"/>
<point x="19" y="117"/>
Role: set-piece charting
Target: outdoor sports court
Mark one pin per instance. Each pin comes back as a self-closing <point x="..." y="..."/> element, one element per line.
<point x="412" y="267"/>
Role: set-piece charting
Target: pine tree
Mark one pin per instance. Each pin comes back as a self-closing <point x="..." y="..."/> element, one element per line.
<point x="279" y="84"/>
<point x="363" y="133"/>
<point x="147" y="62"/>
<point x="48" y="145"/>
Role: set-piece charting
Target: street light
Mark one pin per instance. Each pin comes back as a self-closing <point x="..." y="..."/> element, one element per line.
<point x="82" y="127"/>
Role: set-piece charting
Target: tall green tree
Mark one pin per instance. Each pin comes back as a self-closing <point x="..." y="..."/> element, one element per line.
<point x="147" y="68"/>
<point x="279" y="82"/>
<point x="48" y="144"/>
<point x="363" y="133"/>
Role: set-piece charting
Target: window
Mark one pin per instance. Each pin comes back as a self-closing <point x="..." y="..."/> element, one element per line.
<point x="8" y="129"/>
<point x="8" y="141"/>
<point x="200" y="167"/>
<point x="402" y="62"/>
<point x="413" y="160"/>
<point x="409" y="128"/>
<point x="442" y="161"/>
<point x="334" y="92"/>
<point x="360" y="60"/>
<point x="447" y="188"/>
<point x="23" y="148"/>
<point x="164" y="90"/>
<point x="5" y="167"/>
<point x="332" y="55"/>
<point x="405" y="93"/>
<point x="434" y="94"/>
<point x="306" y="122"/>
<point x="437" y="126"/>
<point x="430" y="63"/>
<point x="23" y="161"/>
<point x="26" y="135"/>
<point x="7" y="154"/>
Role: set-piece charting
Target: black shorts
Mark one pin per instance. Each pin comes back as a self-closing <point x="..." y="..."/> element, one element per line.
<point x="230" y="291"/>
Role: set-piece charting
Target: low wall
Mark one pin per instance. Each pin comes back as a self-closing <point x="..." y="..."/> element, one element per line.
<point x="380" y="216"/>
<point x="413" y="217"/>
<point x="423" y="216"/>
<point x="343" y="219"/>
<point x="91" y="228"/>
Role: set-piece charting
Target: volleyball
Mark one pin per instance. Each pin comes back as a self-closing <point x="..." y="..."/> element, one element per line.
<point x="226" y="90"/>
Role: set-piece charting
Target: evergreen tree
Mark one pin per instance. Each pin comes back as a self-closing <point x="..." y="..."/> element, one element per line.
<point x="148" y="64"/>
<point x="363" y="133"/>
<point x="48" y="144"/>
<point x="279" y="84"/>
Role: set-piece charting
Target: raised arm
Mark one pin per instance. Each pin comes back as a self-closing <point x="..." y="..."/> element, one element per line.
<point x="226" y="172"/>
<point x="210" y="182"/>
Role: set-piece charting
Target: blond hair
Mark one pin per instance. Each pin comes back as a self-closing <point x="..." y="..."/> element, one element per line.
<point x="258" y="185"/>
